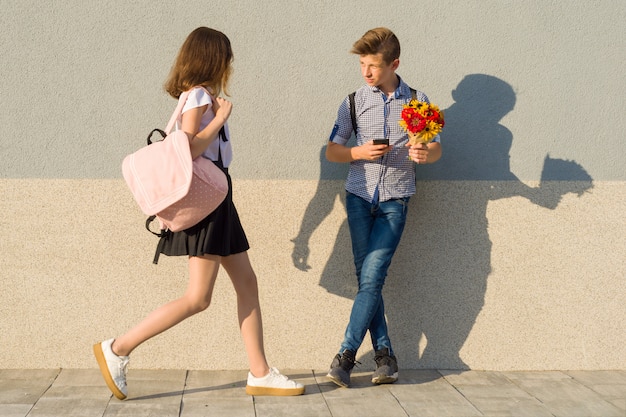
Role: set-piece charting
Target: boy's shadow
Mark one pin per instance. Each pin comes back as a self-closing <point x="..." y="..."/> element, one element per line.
<point x="438" y="277"/>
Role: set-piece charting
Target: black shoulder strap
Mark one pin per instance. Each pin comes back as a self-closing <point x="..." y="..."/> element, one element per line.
<point x="353" y="107"/>
<point x="352" y="111"/>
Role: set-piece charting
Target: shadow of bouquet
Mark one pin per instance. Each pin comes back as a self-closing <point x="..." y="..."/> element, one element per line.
<point x="560" y="177"/>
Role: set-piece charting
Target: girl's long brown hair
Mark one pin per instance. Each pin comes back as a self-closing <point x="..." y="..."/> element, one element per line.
<point x="204" y="59"/>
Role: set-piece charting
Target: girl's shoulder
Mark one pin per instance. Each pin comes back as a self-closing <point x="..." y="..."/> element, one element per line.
<point x="200" y="92"/>
<point x="198" y="96"/>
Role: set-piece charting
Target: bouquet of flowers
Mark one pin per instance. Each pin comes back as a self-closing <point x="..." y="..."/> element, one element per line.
<point x="422" y="121"/>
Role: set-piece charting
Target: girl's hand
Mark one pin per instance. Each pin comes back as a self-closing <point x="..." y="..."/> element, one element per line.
<point x="418" y="153"/>
<point x="222" y="108"/>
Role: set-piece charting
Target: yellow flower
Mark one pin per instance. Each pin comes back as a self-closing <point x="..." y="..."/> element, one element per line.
<point x="434" y="107"/>
<point x="431" y="130"/>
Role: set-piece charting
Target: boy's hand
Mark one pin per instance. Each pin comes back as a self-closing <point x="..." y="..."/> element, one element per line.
<point x="371" y="152"/>
<point x="418" y="153"/>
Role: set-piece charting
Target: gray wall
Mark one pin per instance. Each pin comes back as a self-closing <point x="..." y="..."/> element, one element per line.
<point x="514" y="255"/>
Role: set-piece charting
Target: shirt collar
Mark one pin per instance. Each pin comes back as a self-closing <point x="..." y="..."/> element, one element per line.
<point x="403" y="90"/>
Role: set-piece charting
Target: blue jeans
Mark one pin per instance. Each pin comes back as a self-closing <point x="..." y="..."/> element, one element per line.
<point x="375" y="230"/>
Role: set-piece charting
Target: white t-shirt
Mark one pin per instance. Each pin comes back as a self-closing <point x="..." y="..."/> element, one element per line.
<point x="199" y="97"/>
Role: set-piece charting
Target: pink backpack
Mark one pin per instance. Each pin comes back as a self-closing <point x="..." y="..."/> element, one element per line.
<point x="167" y="184"/>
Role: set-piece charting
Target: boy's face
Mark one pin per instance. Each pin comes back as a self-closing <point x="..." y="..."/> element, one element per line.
<point x="376" y="72"/>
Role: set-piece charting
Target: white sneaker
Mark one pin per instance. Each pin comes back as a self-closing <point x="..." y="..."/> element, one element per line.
<point x="112" y="367"/>
<point x="273" y="383"/>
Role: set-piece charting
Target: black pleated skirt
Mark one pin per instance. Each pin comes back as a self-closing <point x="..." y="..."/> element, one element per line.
<point x="220" y="233"/>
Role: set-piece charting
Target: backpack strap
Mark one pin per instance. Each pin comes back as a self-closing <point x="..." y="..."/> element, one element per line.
<point x="165" y="232"/>
<point x="353" y="111"/>
<point x="353" y="107"/>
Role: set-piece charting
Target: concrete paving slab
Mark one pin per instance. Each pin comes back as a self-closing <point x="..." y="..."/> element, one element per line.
<point x="147" y="409"/>
<point x="30" y="374"/>
<point x="220" y="384"/>
<point x="307" y="405"/>
<point x="494" y="394"/>
<point x="156" y="386"/>
<point x="69" y="407"/>
<point x="215" y="406"/>
<point x="73" y="393"/>
<point x="15" y="410"/>
<point x="563" y="395"/>
<point x="620" y="403"/>
<point x="591" y="378"/>
<point x="475" y="378"/>
<point x="361" y="399"/>
<point x="180" y="393"/>
<point x="435" y="398"/>
<point x="610" y="385"/>
<point x="19" y="386"/>
<point x="503" y="401"/>
<point x="79" y="378"/>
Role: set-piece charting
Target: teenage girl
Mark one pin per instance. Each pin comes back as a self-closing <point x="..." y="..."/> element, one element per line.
<point x="204" y="65"/>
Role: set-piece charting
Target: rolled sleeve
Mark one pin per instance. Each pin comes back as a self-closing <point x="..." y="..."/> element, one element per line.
<point x="342" y="130"/>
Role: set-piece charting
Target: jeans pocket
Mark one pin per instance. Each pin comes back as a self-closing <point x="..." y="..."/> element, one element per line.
<point x="403" y="202"/>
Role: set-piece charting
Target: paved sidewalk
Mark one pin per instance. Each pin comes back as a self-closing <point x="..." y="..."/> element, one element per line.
<point x="180" y="393"/>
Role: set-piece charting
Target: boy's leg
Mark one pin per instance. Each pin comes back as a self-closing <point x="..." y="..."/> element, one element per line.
<point x="386" y="233"/>
<point x="388" y="227"/>
<point x="382" y="237"/>
<point x="360" y="221"/>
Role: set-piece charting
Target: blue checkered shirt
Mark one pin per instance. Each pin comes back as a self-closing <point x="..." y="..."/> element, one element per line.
<point x="377" y="116"/>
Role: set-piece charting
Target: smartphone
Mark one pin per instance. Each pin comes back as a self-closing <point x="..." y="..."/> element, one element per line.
<point x="381" y="142"/>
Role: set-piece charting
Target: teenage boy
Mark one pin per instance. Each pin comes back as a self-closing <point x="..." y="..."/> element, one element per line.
<point x="380" y="182"/>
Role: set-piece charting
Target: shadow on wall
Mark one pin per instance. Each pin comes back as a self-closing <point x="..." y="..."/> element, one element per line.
<point x="438" y="277"/>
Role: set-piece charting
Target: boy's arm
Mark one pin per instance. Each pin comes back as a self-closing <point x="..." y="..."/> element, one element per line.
<point x="339" y="153"/>
<point x="368" y="151"/>
<point x="425" y="153"/>
<point x="434" y="152"/>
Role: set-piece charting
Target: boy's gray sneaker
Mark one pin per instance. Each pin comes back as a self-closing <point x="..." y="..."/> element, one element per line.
<point x="386" y="368"/>
<point x="341" y="367"/>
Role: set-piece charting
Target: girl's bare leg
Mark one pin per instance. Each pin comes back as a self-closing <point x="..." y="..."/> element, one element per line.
<point x="249" y="310"/>
<point x="197" y="297"/>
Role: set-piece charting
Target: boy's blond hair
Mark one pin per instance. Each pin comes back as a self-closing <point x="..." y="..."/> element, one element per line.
<point x="379" y="40"/>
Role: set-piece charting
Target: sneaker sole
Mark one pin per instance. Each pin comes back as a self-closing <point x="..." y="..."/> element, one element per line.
<point x="385" y="379"/>
<point x="276" y="392"/>
<point x="337" y="381"/>
<point x="104" y="370"/>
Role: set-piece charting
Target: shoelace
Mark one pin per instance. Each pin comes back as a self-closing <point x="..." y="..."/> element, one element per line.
<point x="277" y="374"/>
<point x="123" y="366"/>
<point x="383" y="359"/>
<point x="348" y="363"/>
<point x="274" y="373"/>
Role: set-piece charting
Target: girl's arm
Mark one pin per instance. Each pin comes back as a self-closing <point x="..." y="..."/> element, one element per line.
<point x="191" y="123"/>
